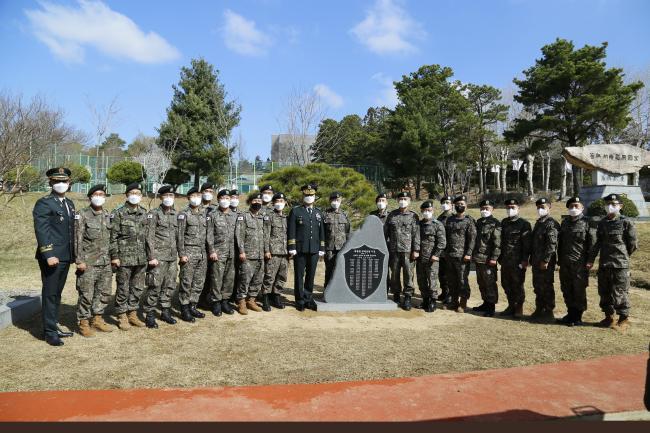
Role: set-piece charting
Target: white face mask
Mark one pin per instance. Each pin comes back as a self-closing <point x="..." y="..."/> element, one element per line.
<point x="427" y="214"/>
<point x="335" y="204"/>
<point x="134" y="199"/>
<point x="403" y="203"/>
<point x="486" y="213"/>
<point x="234" y="202"/>
<point x="267" y="198"/>
<point x="542" y="212"/>
<point x="207" y="196"/>
<point x="60" y="187"/>
<point x="613" y="209"/>
<point x="195" y="201"/>
<point x="574" y="212"/>
<point x="446" y="206"/>
<point x="381" y="205"/>
<point x="224" y="203"/>
<point x="168" y="201"/>
<point x="309" y="199"/>
<point x="278" y="206"/>
<point x="512" y="212"/>
<point x="98" y="200"/>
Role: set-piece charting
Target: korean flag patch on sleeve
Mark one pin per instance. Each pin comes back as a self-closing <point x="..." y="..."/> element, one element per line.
<point x="181" y="216"/>
<point x="149" y="216"/>
<point x="77" y="216"/>
<point x="240" y="218"/>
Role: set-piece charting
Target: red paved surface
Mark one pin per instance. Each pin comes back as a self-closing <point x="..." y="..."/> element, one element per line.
<point x="610" y="384"/>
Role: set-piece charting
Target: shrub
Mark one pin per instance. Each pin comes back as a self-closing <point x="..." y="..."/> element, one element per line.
<point x="80" y="174"/>
<point x="176" y="176"/>
<point x="25" y="177"/>
<point x="125" y="172"/>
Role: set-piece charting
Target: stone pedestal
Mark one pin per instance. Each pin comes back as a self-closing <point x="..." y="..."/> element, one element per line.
<point x="589" y="194"/>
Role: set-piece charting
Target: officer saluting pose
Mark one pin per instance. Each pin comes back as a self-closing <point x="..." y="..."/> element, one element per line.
<point x="306" y="243"/>
<point x="54" y="225"/>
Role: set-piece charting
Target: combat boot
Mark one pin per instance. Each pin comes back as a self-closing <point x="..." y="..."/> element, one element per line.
<point x="216" y="308"/>
<point x="453" y="304"/>
<point x="166" y="316"/>
<point x="519" y="311"/>
<point x="241" y="307"/>
<point x="123" y="322"/>
<point x="150" y="320"/>
<point x="577" y="319"/>
<point x="509" y="311"/>
<point x="481" y="307"/>
<point x="266" y="306"/>
<point x="623" y="323"/>
<point x="444" y="294"/>
<point x="608" y="321"/>
<point x="252" y="305"/>
<point x="85" y="329"/>
<point x="429" y="305"/>
<point x="396" y="298"/>
<point x="462" y="305"/>
<point x="537" y="314"/>
<point x="276" y="301"/>
<point x="547" y="315"/>
<point x="226" y="308"/>
<point x="489" y="310"/>
<point x="135" y="320"/>
<point x="186" y="315"/>
<point x="407" y="303"/>
<point x="568" y="318"/>
<point x="196" y="313"/>
<point x="98" y="323"/>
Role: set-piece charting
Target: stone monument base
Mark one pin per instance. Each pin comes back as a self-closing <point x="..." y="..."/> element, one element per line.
<point x="359" y="306"/>
<point x="589" y="194"/>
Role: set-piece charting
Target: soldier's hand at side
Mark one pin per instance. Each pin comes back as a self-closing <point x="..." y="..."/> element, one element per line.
<point x="467" y="258"/>
<point x="543" y="266"/>
<point x="115" y="262"/>
<point x="184" y="259"/>
<point x="292" y="253"/>
<point x="52" y="261"/>
<point x="214" y="257"/>
<point x="492" y="262"/>
<point x="434" y="259"/>
<point x="81" y="267"/>
<point x="414" y="255"/>
<point x="267" y="256"/>
<point x="153" y="263"/>
<point x="589" y="265"/>
<point x="242" y="257"/>
<point x="524" y="264"/>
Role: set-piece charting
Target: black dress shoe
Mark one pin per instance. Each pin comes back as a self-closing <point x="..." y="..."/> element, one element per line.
<point x="54" y="340"/>
<point x="64" y="334"/>
<point x="300" y="306"/>
<point x="216" y="308"/>
<point x="226" y="308"/>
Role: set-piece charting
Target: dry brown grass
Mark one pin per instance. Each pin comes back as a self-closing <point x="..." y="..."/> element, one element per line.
<point x="289" y="347"/>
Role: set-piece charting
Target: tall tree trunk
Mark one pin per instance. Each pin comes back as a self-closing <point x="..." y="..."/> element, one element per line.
<point x="563" y="179"/>
<point x="503" y="173"/>
<point x="197" y="175"/>
<point x="570" y="184"/>
<point x="530" y="159"/>
<point x="543" y="167"/>
<point x="547" y="176"/>
<point x="497" y="176"/>
<point x="481" y="184"/>
<point x="418" y="182"/>
<point x="577" y="179"/>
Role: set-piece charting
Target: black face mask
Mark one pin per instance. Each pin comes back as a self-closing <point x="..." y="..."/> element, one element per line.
<point x="459" y="208"/>
<point x="256" y="206"/>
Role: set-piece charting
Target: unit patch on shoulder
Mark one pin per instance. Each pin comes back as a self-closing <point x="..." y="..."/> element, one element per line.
<point x="149" y="216"/>
<point x="240" y="218"/>
<point x="77" y="216"/>
<point x="266" y="218"/>
<point x="181" y="216"/>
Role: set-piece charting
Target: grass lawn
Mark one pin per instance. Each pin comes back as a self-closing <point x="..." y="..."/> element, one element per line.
<point x="290" y="347"/>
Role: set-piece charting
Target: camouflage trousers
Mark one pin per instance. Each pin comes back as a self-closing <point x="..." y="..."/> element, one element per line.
<point x="400" y="264"/>
<point x="330" y="263"/>
<point x="251" y="275"/>
<point x="574" y="279"/>
<point x="442" y="276"/>
<point x="486" y="277"/>
<point x="427" y="275"/>
<point x="613" y="286"/>
<point x="275" y="274"/>
<point x="458" y="277"/>
<point x="192" y="278"/>
<point x="543" y="286"/>
<point x="161" y="282"/>
<point x="94" y="287"/>
<point x="512" y="280"/>
<point x="130" y="286"/>
<point x="222" y="283"/>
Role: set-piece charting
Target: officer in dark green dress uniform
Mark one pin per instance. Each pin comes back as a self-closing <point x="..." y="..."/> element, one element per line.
<point x="54" y="227"/>
<point x="305" y="243"/>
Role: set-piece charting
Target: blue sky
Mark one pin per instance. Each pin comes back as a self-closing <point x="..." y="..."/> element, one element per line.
<point x="349" y="51"/>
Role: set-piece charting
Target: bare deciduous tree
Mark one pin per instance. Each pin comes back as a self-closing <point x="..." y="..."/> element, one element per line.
<point x="156" y="162"/>
<point x="102" y="119"/>
<point x="303" y="112"/>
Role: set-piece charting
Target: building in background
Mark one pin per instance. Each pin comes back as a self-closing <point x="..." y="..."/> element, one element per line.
<point x="288" y="149"/>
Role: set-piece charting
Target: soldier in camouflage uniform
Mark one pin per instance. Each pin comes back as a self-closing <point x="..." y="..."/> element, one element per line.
<point x="192" y="248"/>
<point x="277" y="263"/>
<point x="162" y="254"/>
<point x="446" y="205"/>
<point x="207" y="195"/>
<point x="403" y="239"/>
<point x="616" y="240"/>
<point x="234" y="208"/>
<point x="575" y="240"/>
<point x="460" y="230"/>
<point x="267" y="198"/>
<point x="337" y="232"/>
<point x="94" y="274"/>
<point x="221" y="248"/>
<point x="432" y="244"/>
<point x="515" y="251"/>
<point x="381" y="201"/>
<point x="543" y="259"/>
<point x="249" y="237"/>
<point x="129" y="256"/>
<point x="486" y="253"/>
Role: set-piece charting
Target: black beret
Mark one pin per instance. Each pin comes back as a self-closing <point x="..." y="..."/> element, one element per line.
<point x="380" y="195"/>
<point x="511" y="201"/>
<point x="266" y="187"/>
<point x="403" y="194"/>
<point x="94" y="189"/>
<point x="460" y="198"/>
<point x="426" y="204"/>
<point x="541" y="201"/>
<point x="572" y="200"/>
<point x="205" y="186"/>
<point x="59" y="173"/>
<point x="192" y="191"/>
<point x="234" y="192"/>
<point x="278" y="195"/>
<point x="612" y="197"/>
<point x="486" y="203"/>
<point x="131" y="187"/>
<point x="310" y="188"/>
<point x="444" y="198"/>
<point x="252" y="197"/>
<point x="223" y="192"/>
<point x="335" y="194"/>
<point x="165" y="189"/>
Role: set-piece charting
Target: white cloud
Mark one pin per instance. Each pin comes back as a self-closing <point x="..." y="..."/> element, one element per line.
<point x="388" y="29"/>
<point x="68" y="30"/>
<point x="388" y="94"/>
<point x="328" y="96"/>
<point x="242" y="36"/>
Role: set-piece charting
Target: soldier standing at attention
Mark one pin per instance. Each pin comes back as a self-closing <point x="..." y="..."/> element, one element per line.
<point x="486" y="254"/>
<point x="94" y="274"/>
<point x="543" y="259"/>
<point x="461" y="236"/>
<point x="267" y="198"/>
<point x="192" y="248"/>
<point x="382" y="203"/>
<point x="275" y="255"/>
<point x="234" y="208"/>
<point x="207" y="195"/>
<point x="432" y="244"/>
<point x="306" y="243"/>
<point x="54" y="228"/>
<point x="337" y="232"/>
<point x="221" y="248"/>
<point x="249" y="237"/>
<point x="445" y="204"/>
<point x="129" y="256"/>
<point x="403" y="239"/>
<point x="515" y="251"/>
<point x="574" y="243"/>
<point x="615" y="242"/>
<point x="162" y="254"/>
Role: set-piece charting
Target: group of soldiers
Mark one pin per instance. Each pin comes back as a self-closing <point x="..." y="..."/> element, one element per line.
<point x="232" y="256"/>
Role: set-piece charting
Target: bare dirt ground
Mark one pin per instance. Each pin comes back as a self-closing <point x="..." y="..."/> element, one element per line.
<point x="285" y="346"/>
